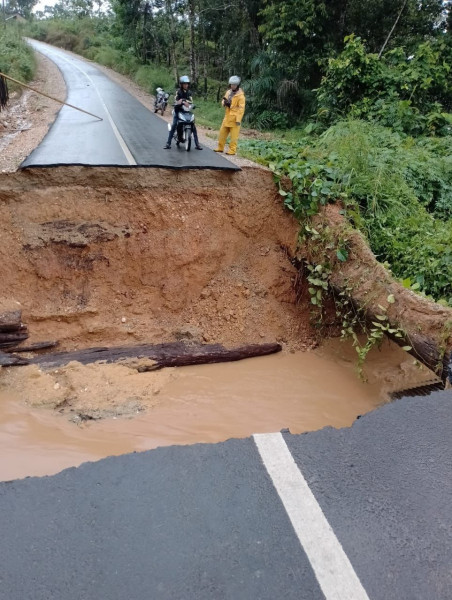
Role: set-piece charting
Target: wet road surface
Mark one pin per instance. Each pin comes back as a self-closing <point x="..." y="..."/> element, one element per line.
<point x="128" y="135"/>
<point x="349" y="514"/>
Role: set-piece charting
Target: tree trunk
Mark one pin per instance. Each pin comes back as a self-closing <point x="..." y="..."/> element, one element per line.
<point x="175" y="354"/>
<point x="172" y="26"/>
<point x="10" y="360"/>
<point x="12" y="331"/>
<point x="392" y="30"/>
<point x="427" y="326"/>
<point x="33" y="347"/>
<point x="144" y="50"/>
<point x="191" y="19"/>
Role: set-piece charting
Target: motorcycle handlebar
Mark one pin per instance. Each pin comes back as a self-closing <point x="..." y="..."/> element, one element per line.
<point x="192" y="106"/>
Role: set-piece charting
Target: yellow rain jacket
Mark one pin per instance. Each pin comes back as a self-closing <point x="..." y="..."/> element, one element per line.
<point x="234" y="114"/>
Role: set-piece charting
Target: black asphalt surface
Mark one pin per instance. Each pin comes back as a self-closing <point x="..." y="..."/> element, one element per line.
<point x="205" y="522"/>
<point x="128" y="135"/>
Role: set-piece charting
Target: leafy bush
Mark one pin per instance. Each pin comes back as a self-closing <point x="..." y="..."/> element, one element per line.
<point x="150" y="77"/>
<point x="397" y="190"/>
<point x="411" y="94"/>
<point x="16" y="57"/>
<point x="270" y="119"/>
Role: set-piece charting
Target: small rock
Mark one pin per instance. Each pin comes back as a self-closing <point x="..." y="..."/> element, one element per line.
<point x="56" y="386"/>
<point x="123" y="320"/>
<point x="188" y="332"/>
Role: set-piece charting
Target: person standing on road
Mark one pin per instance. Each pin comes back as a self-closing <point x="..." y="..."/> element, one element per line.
<point x="183" y="96"/>
<point x="234" y="104"/>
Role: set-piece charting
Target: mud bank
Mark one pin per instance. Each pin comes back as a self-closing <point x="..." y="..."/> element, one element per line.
<point x="301" y="391"/>
<point x="114" y="256"/>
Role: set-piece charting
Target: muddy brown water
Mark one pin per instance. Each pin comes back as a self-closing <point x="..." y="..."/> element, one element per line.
<point x="300" y="391"/>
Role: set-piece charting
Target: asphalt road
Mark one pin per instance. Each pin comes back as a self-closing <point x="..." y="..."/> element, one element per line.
<point x="363" y="513"/>
<point x="128" y="135"/>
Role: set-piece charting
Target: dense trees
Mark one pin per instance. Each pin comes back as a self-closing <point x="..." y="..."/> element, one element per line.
<point x="21" y="7"/>
<point x="281" y="49"/>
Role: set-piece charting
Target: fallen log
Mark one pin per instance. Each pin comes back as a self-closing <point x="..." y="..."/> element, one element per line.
<point x="177" y="354"/>
<point x="33" y="347"/>
<point x="12" y="339"/>
<point x="11" y="360"/>
<point x="427" y="326"/>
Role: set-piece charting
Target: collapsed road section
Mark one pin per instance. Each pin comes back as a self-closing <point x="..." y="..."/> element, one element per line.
<point x="118" y="256"/>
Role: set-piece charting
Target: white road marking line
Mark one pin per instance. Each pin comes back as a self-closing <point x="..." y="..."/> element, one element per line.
<point x="119" y="137"/>
<point x="331" y="565"/>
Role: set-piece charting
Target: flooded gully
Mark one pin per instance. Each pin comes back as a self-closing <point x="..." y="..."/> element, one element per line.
<point x="302" y="391"/>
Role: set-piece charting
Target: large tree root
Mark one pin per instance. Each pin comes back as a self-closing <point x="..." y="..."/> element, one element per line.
<point x="427" y="326"/>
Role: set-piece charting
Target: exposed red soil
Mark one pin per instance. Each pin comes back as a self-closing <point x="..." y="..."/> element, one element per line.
<point x="114" y="256"/>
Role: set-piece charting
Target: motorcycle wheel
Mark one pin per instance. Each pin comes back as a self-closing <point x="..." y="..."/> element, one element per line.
<point x="188" y="139"/>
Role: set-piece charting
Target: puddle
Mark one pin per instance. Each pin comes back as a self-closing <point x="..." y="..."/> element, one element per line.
<point x="211" y="403"/>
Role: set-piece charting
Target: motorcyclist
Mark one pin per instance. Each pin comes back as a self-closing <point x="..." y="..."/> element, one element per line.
<point x="158" y="95"/>
<point x="234" y="104"/>
<point x="183" y="97"/>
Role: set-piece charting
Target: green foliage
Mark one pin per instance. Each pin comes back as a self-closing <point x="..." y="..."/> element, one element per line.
<point x="16" y="57"/>
<point x="280" y="49"/>
<point x="208" y="112"/>
<point x="21" y="7"/>
<point x="269" y="119"/>
<point x="150" y="77"/>
<point x="411" y="94"/>
<point x="397" y="190"/>
<point x="354" y="322"/>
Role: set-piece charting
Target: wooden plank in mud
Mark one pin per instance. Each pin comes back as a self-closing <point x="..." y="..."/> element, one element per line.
<point x="11" y="360"/>
<point x="175" y="354"/>
<point x="33" y="347"/>
<point x="12" y="339"/>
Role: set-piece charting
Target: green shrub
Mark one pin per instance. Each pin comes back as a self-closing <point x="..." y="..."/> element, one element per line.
<point x="410" y="94"/>
<point x="397" y="191"/>
<point x="16" y="57"/>
<point x="151" y="77"/>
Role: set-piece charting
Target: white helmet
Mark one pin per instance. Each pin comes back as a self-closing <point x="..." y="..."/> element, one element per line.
<point x="234" y="80"/>
<point x="159" y="89"/>
<point x="184" y="79"/>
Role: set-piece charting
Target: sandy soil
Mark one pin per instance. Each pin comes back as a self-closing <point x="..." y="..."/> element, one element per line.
<point x="29" y="115"/>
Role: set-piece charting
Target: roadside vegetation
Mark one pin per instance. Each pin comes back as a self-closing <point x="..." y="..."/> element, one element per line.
<point x="16" y="57"/>
<point x="382" y="144"/>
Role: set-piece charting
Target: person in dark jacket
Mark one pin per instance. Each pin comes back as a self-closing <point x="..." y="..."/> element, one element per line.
<point x="183" y="96"/>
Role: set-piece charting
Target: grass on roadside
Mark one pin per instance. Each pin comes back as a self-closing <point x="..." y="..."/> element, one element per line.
<point x="397" y="189"/>
<point x="16" y="57"/>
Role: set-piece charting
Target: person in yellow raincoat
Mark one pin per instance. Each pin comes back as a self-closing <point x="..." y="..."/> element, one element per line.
<point x="234" y="103"/>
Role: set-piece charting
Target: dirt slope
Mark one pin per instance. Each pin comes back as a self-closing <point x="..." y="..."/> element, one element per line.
<point x="106" y="256"/>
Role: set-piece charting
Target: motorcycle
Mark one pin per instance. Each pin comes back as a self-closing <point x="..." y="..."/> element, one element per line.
<point x="161" y="101"/>
<point x="185" y="125"/>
